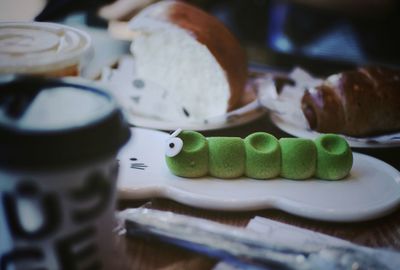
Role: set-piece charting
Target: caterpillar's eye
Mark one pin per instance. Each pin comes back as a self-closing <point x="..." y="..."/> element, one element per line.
<point x="173" y="146"/>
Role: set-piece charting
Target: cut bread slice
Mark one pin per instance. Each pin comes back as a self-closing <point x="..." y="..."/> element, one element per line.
<point x="192" y="56"/>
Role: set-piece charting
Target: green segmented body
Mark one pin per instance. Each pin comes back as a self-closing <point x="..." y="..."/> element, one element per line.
<point x="261" y="156"/>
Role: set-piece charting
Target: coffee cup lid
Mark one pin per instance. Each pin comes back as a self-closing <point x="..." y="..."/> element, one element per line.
<point x="41" y="47"/>
<point x="48" y="122"/>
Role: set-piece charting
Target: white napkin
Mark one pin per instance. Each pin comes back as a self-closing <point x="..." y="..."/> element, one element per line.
<point x="287" y="103"/>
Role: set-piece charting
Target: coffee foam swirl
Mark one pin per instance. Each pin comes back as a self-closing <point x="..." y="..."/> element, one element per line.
<point x="35" y="47"/>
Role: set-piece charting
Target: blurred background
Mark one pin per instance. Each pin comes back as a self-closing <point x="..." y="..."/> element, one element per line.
<point x="321" y="36"/>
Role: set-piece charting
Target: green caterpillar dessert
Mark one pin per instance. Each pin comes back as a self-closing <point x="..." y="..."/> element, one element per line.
<point x="260" y="155"/>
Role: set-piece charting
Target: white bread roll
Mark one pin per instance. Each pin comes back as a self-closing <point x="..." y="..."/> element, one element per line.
<point x="192" y="56"/>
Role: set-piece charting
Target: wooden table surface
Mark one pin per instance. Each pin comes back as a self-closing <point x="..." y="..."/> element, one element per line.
<point x="148" y="254"/>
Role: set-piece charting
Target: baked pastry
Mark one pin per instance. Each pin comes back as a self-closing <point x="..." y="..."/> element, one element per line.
<point x="192" y="160"/>
<point x="192" y="56"/>
<point x="260" y="156"/>
<point x="263" y="156"/>
<point x="299" y="158"/>
<point x="334" y="157"/>
<point x="357" y="103"/>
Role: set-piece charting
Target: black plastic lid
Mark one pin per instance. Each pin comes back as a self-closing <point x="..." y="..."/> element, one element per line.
<point x="49" y="122"/>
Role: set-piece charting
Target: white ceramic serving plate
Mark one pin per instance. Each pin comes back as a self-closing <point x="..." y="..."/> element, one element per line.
<point x="240" y="116"/>
<point x="382" y="141"/>
<point x="372" y="189"/>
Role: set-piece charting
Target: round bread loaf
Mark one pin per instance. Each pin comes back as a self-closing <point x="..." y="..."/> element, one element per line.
<point x="192" y="56"/>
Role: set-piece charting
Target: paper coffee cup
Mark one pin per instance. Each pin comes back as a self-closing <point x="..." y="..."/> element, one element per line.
<point x="43" y="48"/>
<point x="59" y="139"/>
